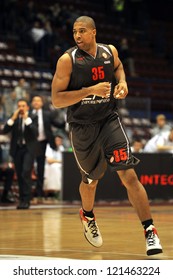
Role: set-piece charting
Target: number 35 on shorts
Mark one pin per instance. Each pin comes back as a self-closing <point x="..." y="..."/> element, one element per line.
<point x="119" y="155"/>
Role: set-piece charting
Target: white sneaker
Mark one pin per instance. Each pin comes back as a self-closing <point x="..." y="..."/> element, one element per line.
<point x="153" y="245"/>
<point x="91" y="230"/>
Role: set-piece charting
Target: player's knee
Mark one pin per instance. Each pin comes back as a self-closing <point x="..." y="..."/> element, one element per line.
<point x="129" y="178"/>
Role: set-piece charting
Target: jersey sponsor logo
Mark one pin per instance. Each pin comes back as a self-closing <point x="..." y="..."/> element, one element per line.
<point x="94" y="100"/>
<point x="107" y="62"/>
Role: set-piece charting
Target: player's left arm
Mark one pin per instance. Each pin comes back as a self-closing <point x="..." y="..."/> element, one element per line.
<point x="121" y="89"/>
<point x="164" y="148"/>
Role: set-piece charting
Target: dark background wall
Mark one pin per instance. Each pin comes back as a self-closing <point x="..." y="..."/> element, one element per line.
<point x="155" y="171"/>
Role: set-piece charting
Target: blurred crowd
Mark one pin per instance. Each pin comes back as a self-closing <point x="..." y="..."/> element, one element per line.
<point x="161" y="139"/>
<point x="43" y="29"/>
<point x="46" y="28"/>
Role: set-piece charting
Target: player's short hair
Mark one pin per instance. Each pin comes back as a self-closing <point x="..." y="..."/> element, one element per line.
<point x="87" y="20"/>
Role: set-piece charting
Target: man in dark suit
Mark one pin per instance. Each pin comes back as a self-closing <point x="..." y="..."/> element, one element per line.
<point x="46" y="120"/>
<point x="23" y="146"/>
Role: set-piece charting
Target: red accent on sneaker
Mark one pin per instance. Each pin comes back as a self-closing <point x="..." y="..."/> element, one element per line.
<point x="83" y="217"/>
<point x="153" y="229"/>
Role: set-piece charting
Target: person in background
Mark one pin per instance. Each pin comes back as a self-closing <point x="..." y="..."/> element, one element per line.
<point x="11" y="98"/>
<point x="162" y="142"/>
<point x="89" y="78"/>
<point x="23" y="148"/>
<point x="53" y="168"/>
<point x="6" y="174"/>
<point x="161" y="125"/>
<point x="20" y="90"/>
<point x="127" y="57"/>
<point x="41" y="36"/>
<point x="137" y="146"/>
<point x="10" y="103"/>
<point x="45" y="123"/>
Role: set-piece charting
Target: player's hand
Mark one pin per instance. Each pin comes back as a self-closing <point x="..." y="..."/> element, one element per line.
<point x="121" y="90"/>
<point x="101" y="89"/>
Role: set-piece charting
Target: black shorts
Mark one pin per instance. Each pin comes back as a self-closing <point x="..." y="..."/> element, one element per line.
<point x="101" y="144"/>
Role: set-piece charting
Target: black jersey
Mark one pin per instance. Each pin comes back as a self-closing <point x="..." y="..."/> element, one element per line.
<point x="87" y="71"/>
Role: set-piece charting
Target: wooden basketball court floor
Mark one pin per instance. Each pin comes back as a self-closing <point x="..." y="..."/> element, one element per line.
<point x="56" y="232"/>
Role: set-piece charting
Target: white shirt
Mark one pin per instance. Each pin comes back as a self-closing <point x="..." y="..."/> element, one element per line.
<point x="161" y="139"/>
<point x="41" y="131"/>
<point x="54" y="154"/>
<point x="27" y="121"/>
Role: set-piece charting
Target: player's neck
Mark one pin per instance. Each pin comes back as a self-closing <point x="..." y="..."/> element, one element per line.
<point x="93" y="50"/>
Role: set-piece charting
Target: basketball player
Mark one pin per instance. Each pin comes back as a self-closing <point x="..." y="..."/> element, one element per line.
<point x="88" y="79"/>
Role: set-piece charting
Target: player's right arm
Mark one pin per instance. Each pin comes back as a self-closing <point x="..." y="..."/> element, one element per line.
<point x="61" y="97"/>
